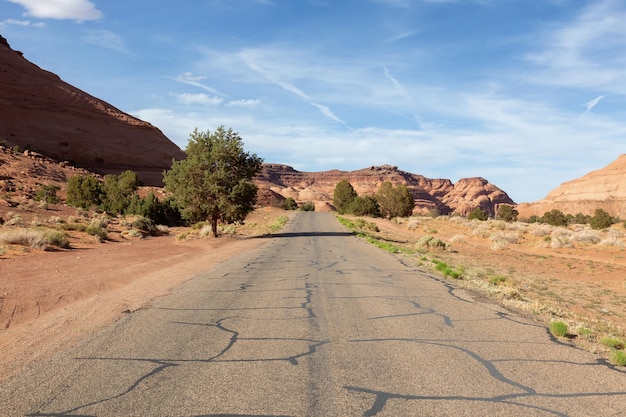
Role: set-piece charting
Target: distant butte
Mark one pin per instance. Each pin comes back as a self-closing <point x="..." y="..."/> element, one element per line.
<point x="40" y="112"/>
<point x="604" y="188"/>
<point x="277" y="182"/>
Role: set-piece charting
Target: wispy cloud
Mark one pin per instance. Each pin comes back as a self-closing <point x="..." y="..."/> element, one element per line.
<point x="593" y="103"/>
<point x="79" y="10"/>
<point x="194" y="80"/>
<point x="249" y="59"/>
<point x="198" y="99"/>
<point x="106" y="39"/>
<point x="23" y="23"/>
<point x="588" y="51"/>
<point x="249" y="103"/>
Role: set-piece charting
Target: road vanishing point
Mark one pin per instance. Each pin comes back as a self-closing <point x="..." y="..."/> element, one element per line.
<point x="317" y="322"/>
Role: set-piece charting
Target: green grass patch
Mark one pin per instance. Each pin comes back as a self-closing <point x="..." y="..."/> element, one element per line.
<point x="612" y="342"/>
<point x="279" y="223"/>
<point x="447" y="270"/>
<point x="558" y="329"/>
<point x="497" y="280"/>
<point x="618" y="358"/>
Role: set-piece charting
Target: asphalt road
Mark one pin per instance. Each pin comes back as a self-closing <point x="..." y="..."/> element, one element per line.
<point x="319" y="323"/>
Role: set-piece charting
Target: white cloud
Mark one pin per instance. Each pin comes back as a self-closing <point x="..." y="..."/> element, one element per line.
<point x="79" y="10"/>
<point x="106" y="39"/>
<point x="194" y="80"/>
<point x="593" y="103"/>
<point x="202" y="99"/>
<point x="587" y="52"/>
<point x="24" y="23"/>
<point x="244" y="103"/>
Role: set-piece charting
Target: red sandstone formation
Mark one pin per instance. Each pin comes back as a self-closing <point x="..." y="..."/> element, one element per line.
<point x="40" y="112"/>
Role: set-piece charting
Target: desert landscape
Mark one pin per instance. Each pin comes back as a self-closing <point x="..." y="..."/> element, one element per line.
<point x="59" y="283"/>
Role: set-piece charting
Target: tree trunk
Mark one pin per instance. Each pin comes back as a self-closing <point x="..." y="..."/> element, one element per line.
<point x="214" y="225"/>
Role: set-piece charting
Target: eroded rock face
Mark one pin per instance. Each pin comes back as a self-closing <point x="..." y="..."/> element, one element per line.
<point x="440" y="194"/>
<point x="41" y="112"/>
<point x="604" y="188"/>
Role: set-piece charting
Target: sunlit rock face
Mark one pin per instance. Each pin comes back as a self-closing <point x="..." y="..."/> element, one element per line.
<point x="41" y="112"/>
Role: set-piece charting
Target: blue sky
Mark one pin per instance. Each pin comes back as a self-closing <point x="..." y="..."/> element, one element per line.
<point x="525" y="93"/>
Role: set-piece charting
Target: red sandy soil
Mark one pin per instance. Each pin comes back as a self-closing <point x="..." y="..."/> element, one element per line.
<point x="52" y="299"/>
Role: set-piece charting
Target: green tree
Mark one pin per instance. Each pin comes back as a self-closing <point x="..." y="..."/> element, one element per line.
<point x="118" y="191"/>
<point x="601" y="220"/>
<point x="365" y="206"/>
<point x="478" y="214"/>
<point x="84" y="191"/>
<point x="554" y="217"/>
<point x="214" y="181"/>
<point x="394" y="201"/>
<point x="343" y="195"/>
<point x="507" y="213"/>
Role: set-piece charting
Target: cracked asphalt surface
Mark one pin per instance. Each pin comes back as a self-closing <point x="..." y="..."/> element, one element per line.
<point x="319" y="323"/>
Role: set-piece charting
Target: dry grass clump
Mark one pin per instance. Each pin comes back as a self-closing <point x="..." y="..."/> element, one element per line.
<point x="413" y="223"/>
<point x="582" y="235"/>
<point x="541" y="230"/>
<point x="561" y="238"/>
<point x="500" y="240"/>
<point x="36" y="239"/>
<point x="481" y="229"/>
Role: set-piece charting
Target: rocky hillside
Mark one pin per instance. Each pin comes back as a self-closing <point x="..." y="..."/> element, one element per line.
<point x="604" y="188"/>
<point x="40" y="112"/>
<point x="277" y="182"/>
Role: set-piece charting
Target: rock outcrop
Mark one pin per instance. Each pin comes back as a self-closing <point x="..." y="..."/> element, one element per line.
<point x="40" y="112"/>
<point x="604" y="188"/>
<point x="278" y="182"/>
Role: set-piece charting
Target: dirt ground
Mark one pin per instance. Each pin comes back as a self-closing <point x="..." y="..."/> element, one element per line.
<point x="52" y="299"/>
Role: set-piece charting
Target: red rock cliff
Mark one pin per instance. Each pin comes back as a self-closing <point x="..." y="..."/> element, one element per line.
<point x="41" y="112"/>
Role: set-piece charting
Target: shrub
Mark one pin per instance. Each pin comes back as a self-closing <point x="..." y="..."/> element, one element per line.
<point x="118" y="191"/>
<point x="97" y="231"/>
<point x="58" y="239"/>
<point x="507" y="213"/>
<point x="601" y="220"/>
<point x="144" y="224"/>
<point x="554" y="217"/>
<point x="84" y="191"/>
<point x="160" y="212"/>
<point x="558" y="329"/>
<point x="48" y="194"/>
<point x="289" y="204"/>
<point x="364" y="206"/>
<point x="478" y="214"/>
<point x="308" y="206"/>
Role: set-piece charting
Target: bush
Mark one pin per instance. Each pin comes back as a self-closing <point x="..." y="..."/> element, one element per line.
<point x="308" y="206"/>
<point x="32" y="238"/>
<point x="48" y="193"/>
<point x="289" y="204"/>
<point x="84" y="191"/>
<point x="507" y="213"/>
<point x="97" y="231"/>
<point x="365" y="206"/>
<point x="144" y="224"/>
<point x="554" y="217"/>
<point x="612" y="342"/>
<point x="58" y="239"/>
<point x="118" y="191"/>
<point x="478" y="214"/>
<point x="601" y="220"/>
<point x="160" y="212"/>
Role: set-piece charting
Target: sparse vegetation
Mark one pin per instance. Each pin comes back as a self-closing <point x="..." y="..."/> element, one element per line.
<point x="612" y="342"/>
<point x="478" y="214"/>
<point x="618" y="358"/>
<point x="308" y="206"/>
<point x="48" y="193"/>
